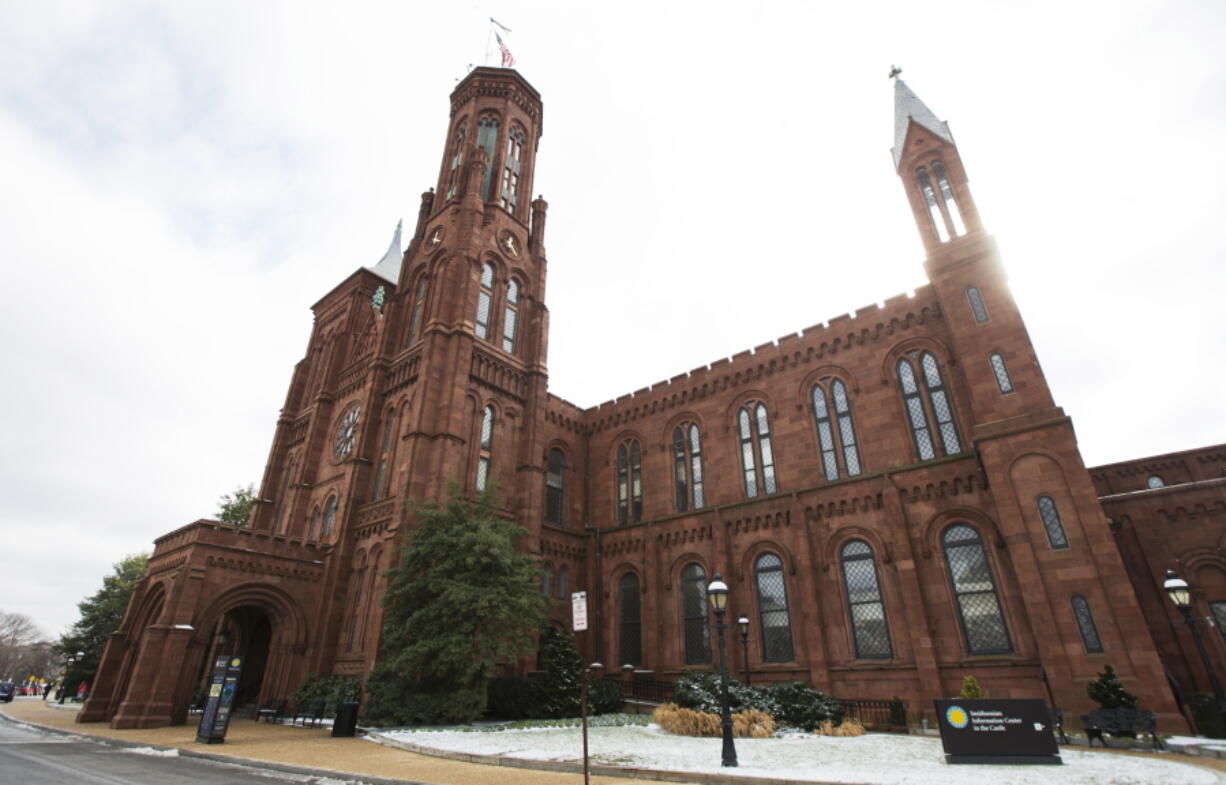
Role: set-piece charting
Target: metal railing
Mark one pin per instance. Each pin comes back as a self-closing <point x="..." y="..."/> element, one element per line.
<point x="644" y="689"/>
<point x="874" y="712"/>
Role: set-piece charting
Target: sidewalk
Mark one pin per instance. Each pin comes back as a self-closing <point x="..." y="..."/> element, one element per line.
<point x="305" y="751"/>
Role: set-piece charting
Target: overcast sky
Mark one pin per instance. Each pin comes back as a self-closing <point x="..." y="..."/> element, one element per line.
<point x="181" y="181"/>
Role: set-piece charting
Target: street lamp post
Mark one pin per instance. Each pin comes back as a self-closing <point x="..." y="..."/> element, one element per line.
<point x="595" y="667"/>
<point x="1177" y="589"/>
<point x="718" y="592"/>
<point x="743" y="623"/>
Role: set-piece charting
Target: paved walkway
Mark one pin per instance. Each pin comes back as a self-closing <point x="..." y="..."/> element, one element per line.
<point x="311" y="749"/>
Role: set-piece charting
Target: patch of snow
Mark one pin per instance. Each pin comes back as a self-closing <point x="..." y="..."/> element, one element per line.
<point x="152" y="752"/>
<point x="872" y="759"/>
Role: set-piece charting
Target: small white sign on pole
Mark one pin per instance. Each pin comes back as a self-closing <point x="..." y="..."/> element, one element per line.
<point x="578" y="610"/>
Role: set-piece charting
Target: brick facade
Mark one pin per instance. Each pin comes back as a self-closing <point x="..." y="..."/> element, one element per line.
<point x="940" y="481"/>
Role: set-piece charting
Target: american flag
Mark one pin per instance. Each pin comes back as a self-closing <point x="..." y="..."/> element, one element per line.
<point x="508" y="59"/>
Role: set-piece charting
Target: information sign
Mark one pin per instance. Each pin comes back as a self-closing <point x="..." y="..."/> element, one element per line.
<point x="578" y="610"/>
<point x="223" y="683"/>
<point x="983" y="730"/>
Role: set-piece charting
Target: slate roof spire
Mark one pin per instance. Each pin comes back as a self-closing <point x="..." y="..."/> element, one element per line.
<point x="389" y="266"/>
<point x="909" y="108"/>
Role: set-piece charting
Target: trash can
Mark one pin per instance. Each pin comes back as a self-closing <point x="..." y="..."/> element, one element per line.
<point x="346" y="722"/>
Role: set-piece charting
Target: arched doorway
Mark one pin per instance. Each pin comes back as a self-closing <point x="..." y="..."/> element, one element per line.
<point x="247" y="634"/>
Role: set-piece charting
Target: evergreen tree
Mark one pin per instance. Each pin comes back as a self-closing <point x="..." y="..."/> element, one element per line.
<point x="1108" y="691"/>
<point x="101" y="615"/>
<point x="971" y="688"/>
<point x="560" y="683"/>
<point x="462" y="599"/>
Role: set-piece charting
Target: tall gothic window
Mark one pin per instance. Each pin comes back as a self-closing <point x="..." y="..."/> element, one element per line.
<point x="329" y="517"/>
<point x="756" y="453"/>
<point x="418" y="312"/>
<point x="938" y="403"/>
<point x="978" y="309"/>
<point x="546" y="578"/>
<point x="840" y="449"/>
<point x="486" y="447"/>
<point x="555" y="471"/>
<point x="358" y="580"/>
<point x="975" y="591"/>
<point x="1218" y="609"/>
<point x="510" y="168"/>
<point x="938" y="398"/>
<point x="868" y="622"/>
<point x="1085" y="623"/>
<point x="629" y="483"/>
<point x="283" y="501"/>
<point x="947" y="194"/>
<point x="314" y="528"/>
<point x="385" y="448"/>
<point x="485" y="300"/>
<point x="773" y="609"/>
<point x="930" y="200"/>
<point x="921" y="434"/>
<point x="687" y="467"/>
<point x="629" y="621"/>
<point x="487" y="138"/>
<point x="510" y="316"/>
<point x="696" y="631"/>
<point x="457" y="160"/>
<point x="1001" y="372"/>
<point x="1052" y="522"/>
<point x="562" y="581"/>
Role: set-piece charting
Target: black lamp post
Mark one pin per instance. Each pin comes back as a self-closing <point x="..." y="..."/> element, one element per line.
<point x="717" y="591"/>
<point x="1177" y="589"/>
<point x="594" y="668"/>
<point x="743" y="623"/>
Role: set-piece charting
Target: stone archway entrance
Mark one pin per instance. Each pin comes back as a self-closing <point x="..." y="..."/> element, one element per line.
<point x="248" y="633"/>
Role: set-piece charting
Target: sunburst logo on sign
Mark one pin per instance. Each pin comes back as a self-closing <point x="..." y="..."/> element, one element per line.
<point x="234" y="663"/>
<point x="957" y="717"/>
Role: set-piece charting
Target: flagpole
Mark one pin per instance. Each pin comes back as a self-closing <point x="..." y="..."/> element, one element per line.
<point x="489" y="38"/>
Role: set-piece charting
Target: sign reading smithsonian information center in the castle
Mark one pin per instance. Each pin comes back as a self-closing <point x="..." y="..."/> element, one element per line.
<point x="982" y="730"/>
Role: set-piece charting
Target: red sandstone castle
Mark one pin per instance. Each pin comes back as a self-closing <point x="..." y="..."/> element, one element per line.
<point x="893" y="497"/>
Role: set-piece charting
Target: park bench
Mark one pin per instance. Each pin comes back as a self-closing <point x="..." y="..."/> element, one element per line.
<point x="1120" y="722"/>
<point x="312" y="710"/>
<point x="272" y="711"/>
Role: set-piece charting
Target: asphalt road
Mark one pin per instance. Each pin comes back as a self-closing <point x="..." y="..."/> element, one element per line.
<point x="29" y="756"/>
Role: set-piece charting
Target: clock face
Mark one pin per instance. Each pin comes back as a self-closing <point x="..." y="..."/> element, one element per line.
<point x="346" y="433"/>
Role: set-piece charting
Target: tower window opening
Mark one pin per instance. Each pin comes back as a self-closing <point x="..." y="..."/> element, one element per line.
<point x="930" y="199"/>
<point x="510" y="316"/>
<point x="947" y="193"/>
<point x="687" y="467"/>
<point x="1002" y="373"/>
<point x="419" y="307"/>
<point x="629" y="483"/>
<point x="485" y="300"/>
<point x="978" y="309"/>
<point x="457" y="158"/>
<point x="510" y="168"/>
<point x="486" y="448"/>
<point x="756" y="452"/>
<point x="487" y="138"/>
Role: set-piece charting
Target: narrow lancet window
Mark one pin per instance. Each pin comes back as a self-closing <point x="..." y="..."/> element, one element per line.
<point x="1085" y="623"/>
<point x="554" y="496"/>
<point x="487" y="138"/>
<point x="486" y="447"/>
<point x="629" y="643"/>
<point x="485" y="300"/>
<point x="930" y="199"/>
<point x="629" y="483"/>
<point x="457" y="159"/>
<point x="1002" y="373"/>
<point x="947" y="194"/>
<point x="978" y="309"/>
<point x="329" y="517"/>
<point x="941" y="409"/>
<point x="510" y="316"/>
<point x="825" y="433"/>
<point x="510" y="169"/>
<point x="385" y="447"/>
<point x="773" y="609"/>
<point x="687" y="467"/>
<point x="419" y="308"/>
<point x="868" y="622"/>
<point x="1052" y="523"/>
<point x="916" y="417"/>
<point x="748" y="465"/>
<point x="696" y="631"/>
<point x="975" y="591"/>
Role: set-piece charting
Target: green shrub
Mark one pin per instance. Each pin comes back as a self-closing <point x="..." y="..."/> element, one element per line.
<point x="971" y="688"/>
<point x="332" y="690"/>
<point x="512" y="698"/>
<point x="604" y="697"/>
<point x="560" y="681"/>
<point x="898" y="713"/>
<point x="1209" y="720"/>
<point x="1108" y="691"/>
<point x="794" y="703"/>
<point x="801" y="705"/>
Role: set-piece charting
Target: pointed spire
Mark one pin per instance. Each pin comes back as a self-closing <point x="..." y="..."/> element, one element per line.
<point x="909" y="108"/>
<point x="389" y="266"/>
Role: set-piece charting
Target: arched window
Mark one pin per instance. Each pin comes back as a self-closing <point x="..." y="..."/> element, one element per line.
<point x="1085" y="623"/>
<point x="1052" y="522"/>
<point x="385" y="448"/>
<point x="868" y="622"/>
<point x="629" y="483"/>
<point x="485" y="300"/>
<point x="939" y="400"/>
<point x="562" y="576"/>
<point x="687" y="467"/>
<point x="457" y="158"/>
<point x="510" y="168"/>
<point x="419" y="309"/>
<point x="486" y="447"/>
<point x="283" y="513"/>
<point x="975" y="591"/>
<point x="930" y="199"/>
<point x="329" y="517"/>
<point x="830" y="417"/>
<point x="314" y="528"/>
<point x="978" y="309"/>
<point x="938" y="404"/>
<point x="773" y="609"/>
<point x="359" y="580"/>
<point x="1002" y="373"/>
<point x="629" y="621"/>
<point x="555" y="498"/>
<point x="947" y="194"/>
<point x="487" y="138"/>
<point x="1155" y="481"/>
<point x="510" y="316"/>
<point x="755" y="435"/>
<point x="546" y="577"/>
<point x="696" y="631"/>
<point x="917" y="419"/>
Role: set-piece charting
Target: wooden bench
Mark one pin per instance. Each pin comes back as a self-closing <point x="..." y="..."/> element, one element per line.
<point x="1121" y="722"/>
<point x="312" y="710"/>
<point x="272" y="711"/>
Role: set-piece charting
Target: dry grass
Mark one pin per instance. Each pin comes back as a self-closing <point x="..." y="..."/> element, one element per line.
<point x="849" y="727"/>
<point x="750" y="723"/>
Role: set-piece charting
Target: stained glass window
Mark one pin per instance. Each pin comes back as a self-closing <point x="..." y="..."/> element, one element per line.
<point x="773" y="609"/>
<point x="1001" y="372"/>
<point x="975" y="591"/>
<point x="1085" y="623"/>
<point x="868" y="623"/>
<point x="555" y="472"/>
<point x="1052" y="522"/>
<point x="978" y="309"/>
<point x="629" y="644"/>
<point x="696" y="631"/>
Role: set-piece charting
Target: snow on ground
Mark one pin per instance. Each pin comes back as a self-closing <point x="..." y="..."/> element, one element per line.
<point x="151" y="751"/>
<point x="872" y="759"/>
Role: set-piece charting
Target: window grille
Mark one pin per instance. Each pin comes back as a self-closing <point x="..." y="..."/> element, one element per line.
<point x="696" y="631"/>
<point x="687" y="467"/>
<point x="870" y="630"/>
<point x="510" y="168"/>
<point x="939" y="400"/>
<point x="975" y="592"/>
<point x="978" y="309"/>
<point x="916" y="417"/>
<point x="1052" y="522"/>
<point x="1085" y="623"/>
<point x="510" y="317"/>
<point x="629" y="644"/>
<point x="486" y="448"/>
<point x="773" y="609"/>
<point x="485" y="300"/>
<point x="1002" y="373"/>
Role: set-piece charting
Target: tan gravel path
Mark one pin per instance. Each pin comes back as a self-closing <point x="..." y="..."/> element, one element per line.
<point x="311" y="747"/>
